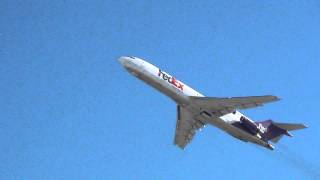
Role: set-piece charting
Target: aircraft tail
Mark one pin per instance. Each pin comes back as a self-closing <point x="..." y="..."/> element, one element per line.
<point x="273" y="131"/>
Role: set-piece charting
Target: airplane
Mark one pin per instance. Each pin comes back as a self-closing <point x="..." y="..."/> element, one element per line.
<point x="195" y="111"/>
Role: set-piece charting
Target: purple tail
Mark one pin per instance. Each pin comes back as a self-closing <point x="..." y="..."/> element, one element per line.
<point x="274" y="131"/>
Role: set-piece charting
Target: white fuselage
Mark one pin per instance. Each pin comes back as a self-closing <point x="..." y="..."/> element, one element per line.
<point x="165" y="83"/>
<point x="180" y="93"/>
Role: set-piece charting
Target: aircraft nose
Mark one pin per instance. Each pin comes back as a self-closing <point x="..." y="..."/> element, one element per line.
<point x="125" y="59"/>
<point x="122" y="59"/>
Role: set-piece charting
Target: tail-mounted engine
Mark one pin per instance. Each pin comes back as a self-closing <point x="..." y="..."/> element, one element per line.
<point x="251" y="126"/>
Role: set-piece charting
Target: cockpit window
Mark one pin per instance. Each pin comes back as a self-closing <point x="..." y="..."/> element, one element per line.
<point x="131" y="57"/>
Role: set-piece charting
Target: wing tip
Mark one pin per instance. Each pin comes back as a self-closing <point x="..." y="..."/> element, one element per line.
<point x="182" y="147"/>
<point x="275" y="98"/>
<point x="304" y="126"/>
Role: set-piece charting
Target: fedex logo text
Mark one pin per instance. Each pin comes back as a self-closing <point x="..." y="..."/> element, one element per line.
<point x="170" y="79"/>
<point x="262" y="128"/>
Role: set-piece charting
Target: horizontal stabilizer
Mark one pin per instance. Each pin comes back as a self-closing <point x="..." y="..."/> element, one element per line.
<point x="275" y="130"/>
<point x="290" y="126"/>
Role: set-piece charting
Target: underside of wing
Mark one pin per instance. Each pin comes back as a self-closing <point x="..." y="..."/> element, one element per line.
<point x="222" y="106"/>
<point x="186" y="127"/>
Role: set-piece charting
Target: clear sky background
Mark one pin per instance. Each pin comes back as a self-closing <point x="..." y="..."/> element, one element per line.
<point x="68" y="109"/>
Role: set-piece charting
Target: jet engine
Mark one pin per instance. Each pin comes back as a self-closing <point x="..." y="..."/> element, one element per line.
<point x="253" y="128"/>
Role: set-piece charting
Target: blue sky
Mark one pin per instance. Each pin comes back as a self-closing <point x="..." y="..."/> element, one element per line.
<point x="70" y="111"/>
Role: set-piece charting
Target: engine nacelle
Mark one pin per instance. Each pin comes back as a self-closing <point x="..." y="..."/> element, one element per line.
<point x="253" y="128"/>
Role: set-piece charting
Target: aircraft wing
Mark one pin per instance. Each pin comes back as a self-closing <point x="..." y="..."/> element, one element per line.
<point x="222" y="106"/>
<point x="186" y="127"/>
